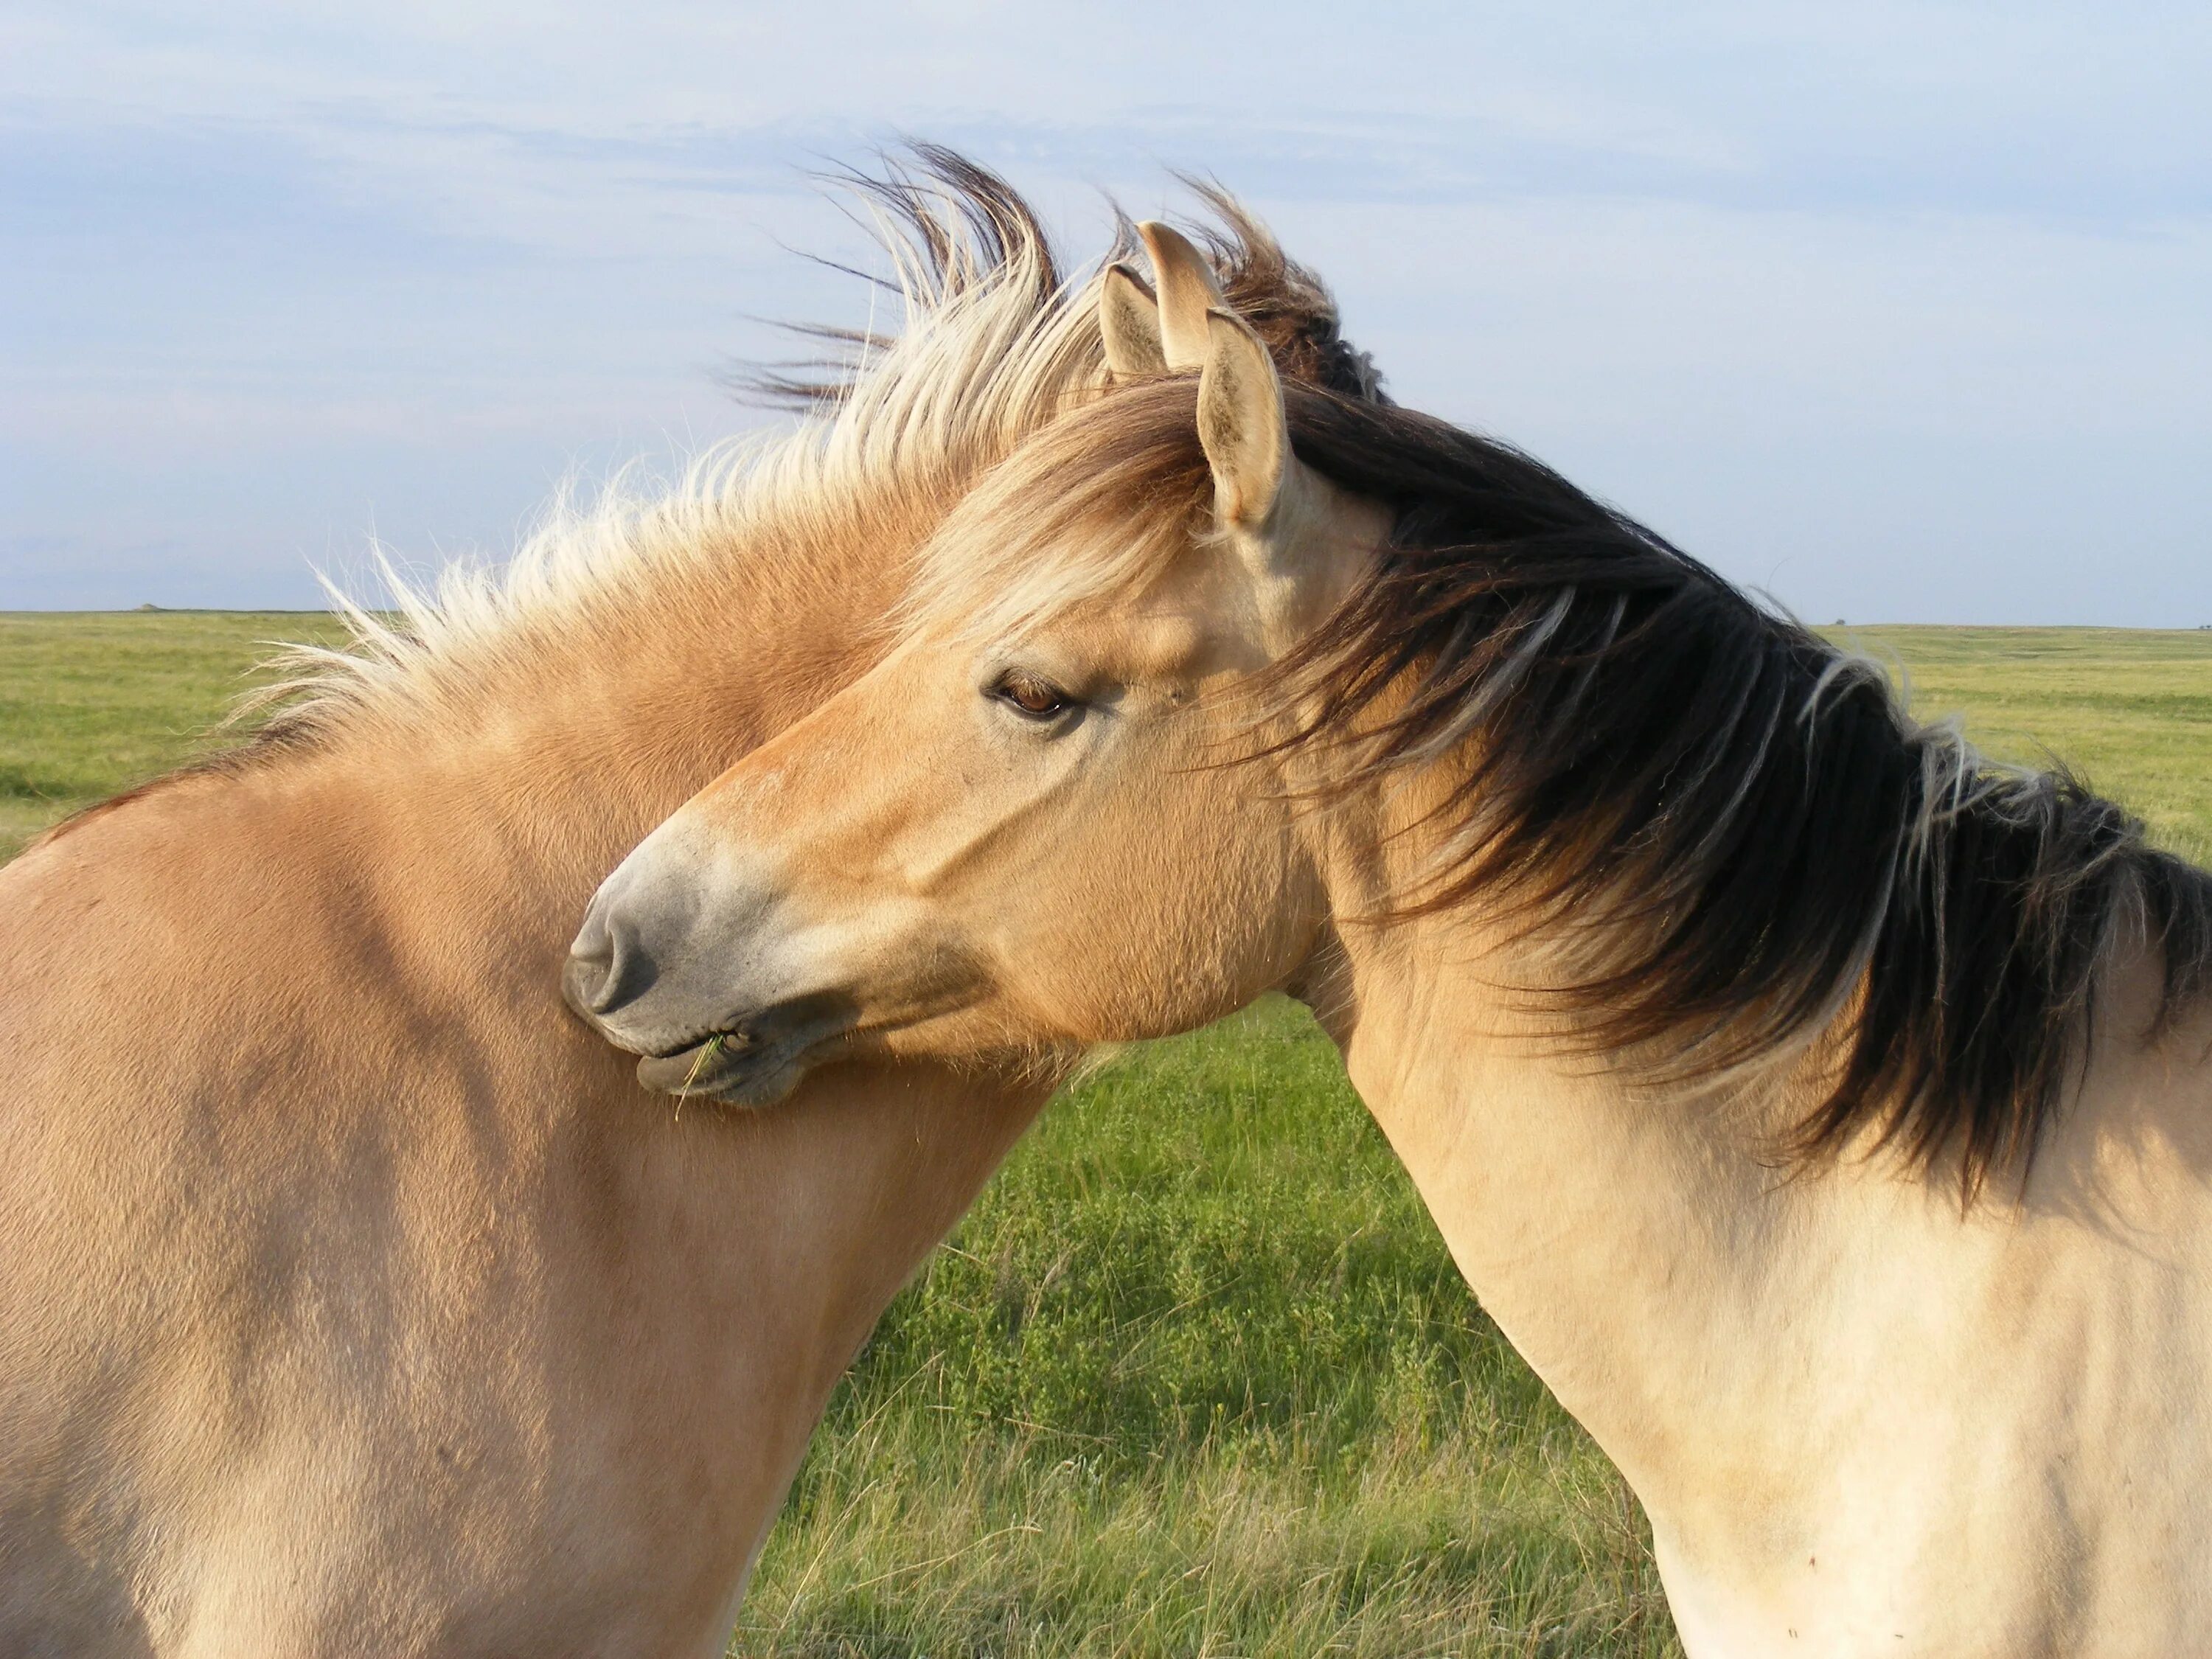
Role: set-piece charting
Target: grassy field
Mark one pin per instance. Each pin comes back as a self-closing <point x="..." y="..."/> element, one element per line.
<point x="93" y="703"/>
<point x="1196" y="1376"/>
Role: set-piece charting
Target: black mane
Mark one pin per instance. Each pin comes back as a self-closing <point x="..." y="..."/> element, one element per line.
<point x="1749" y="834"/>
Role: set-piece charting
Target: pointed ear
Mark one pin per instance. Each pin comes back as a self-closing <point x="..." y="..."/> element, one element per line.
<point x="1188" y="290"/>
<point x="1241" y="423"/>
<point x="1129" y="323"/>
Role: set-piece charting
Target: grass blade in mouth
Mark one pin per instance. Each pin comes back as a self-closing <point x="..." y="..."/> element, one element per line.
<point x="707" y="1050"/>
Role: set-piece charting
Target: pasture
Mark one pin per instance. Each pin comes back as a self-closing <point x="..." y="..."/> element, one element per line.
<point x="1196" y="1376"/>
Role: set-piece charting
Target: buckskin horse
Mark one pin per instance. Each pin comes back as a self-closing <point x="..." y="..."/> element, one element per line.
<point x="1823" y="1111"/>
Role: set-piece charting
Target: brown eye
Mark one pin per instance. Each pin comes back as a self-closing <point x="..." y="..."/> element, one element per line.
<point x="1040" y="699"/>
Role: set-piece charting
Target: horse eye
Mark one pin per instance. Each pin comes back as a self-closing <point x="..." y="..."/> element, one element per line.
<point x="1039" y="699"/>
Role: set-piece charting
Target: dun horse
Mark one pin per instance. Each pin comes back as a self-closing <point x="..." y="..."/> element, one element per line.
<point x="1824" y="1113"/>
<point x="353" y="1299"/>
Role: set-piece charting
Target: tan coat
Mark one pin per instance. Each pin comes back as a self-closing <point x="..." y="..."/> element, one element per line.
<point x="355" y="1300"/>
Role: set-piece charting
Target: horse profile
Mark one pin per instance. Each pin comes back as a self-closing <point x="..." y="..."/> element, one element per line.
<point x="1824" y="1113"/>
<point x="353" y="1299"/>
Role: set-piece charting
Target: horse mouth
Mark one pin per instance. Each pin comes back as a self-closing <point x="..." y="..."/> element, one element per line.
<point x="753" y="1062"/>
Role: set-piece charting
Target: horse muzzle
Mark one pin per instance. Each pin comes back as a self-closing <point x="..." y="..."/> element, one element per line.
<point x="693" y="980"/>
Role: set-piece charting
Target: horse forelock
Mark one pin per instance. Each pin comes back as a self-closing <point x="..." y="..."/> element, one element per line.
<point x="1096" y="508"/>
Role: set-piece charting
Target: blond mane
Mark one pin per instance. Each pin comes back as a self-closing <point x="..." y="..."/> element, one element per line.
<point x="994" y="343"/>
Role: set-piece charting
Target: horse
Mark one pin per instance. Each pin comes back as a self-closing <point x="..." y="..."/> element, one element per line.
<point x="1824" y="1111"/>
<point x="356" y="1298"/>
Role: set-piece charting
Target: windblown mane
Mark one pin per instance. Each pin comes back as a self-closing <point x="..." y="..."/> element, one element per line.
<point x="1745" y="833"/>
<point x="1742" y="841"/>
<point x="996" y="342"/>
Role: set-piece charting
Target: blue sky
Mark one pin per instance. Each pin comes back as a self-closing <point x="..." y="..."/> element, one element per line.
<point x="1900" y="312"/>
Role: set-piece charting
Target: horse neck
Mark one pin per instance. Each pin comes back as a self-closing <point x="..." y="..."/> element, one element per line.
<point x="1604" y="1231"/>
<point x="571" y="745"/>
<point x="471" y="845"/>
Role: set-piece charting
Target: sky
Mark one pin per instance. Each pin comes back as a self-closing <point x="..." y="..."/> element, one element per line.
<point x="1896" y="313"/>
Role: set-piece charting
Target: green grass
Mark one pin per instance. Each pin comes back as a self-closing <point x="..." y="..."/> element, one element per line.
<point x="2130" y="711"/>
<point x="1196" y="1376"/>
<point x="93" y="703"/>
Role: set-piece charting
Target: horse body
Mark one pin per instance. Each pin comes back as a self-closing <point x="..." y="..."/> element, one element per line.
<point x="1824" y="1114"/>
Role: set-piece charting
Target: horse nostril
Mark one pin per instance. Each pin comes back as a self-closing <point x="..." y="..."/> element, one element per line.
<point x="605" y="968"/>
<point x="583" y="979"/>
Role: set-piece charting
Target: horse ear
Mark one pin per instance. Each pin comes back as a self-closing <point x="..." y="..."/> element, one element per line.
<point x="1129" y="323"/>
<point x="1188" y="290"/>
<point x="1241" y="421"/>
